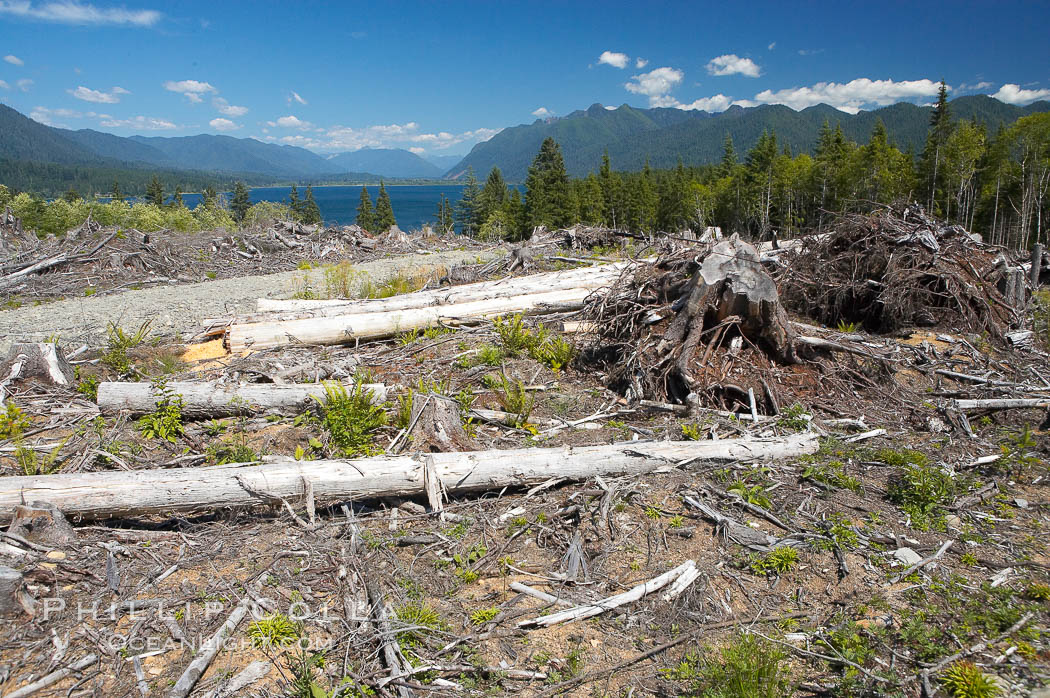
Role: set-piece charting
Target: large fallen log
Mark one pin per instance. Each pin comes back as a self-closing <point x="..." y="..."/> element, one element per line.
<point x="141" y="492"/>
<point x="587" y="277"/>
<point x="210" y="400"/>
<point x="342" y="329"/>
<point x="1003" y="403"/>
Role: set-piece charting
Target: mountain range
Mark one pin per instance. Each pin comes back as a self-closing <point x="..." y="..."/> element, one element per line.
<point x="44" y="158"/>
<point x="663" y="135"/>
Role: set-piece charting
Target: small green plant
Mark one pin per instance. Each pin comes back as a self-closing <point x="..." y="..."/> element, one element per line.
<point x="435" y="331"/>
<point x="275" y="630"/>
<point x="746" y="667"/>
<point x="1019" y="454"/>
<point x="776" y="562"/>
<point x="752" y="494"/>
<point x="555" y="353"/>
<point x="921" y="491"/>
<point x="483" y="615"/>
<point x="514" y="398"/>
<point x="13" y="421"/>
<point x="1037" y="592"/>
<point x="833" y="474"/>
<point x="234" y="450"/>
<point x="406" y="338"/>
<point x="838" y="533"/>
<point x="676" y="521"/>
<point x="339" y="280"/>
<point x="847" y="327"/>
<point x="31" y="462"/>
<point x="964" y="680"/>
<point x="794" y="418"/>
<point x="118" y="343"/>
<point x="652" y="513"/>
<point x="165" y="422"/>
<point x="351" y="419"/>
<point x="301" y="664"/>
<point x="515" y="338"/>
<point x="691" y="432"/>
<point x="968" y="559"/>
<point x="405" y="403"/>
<point x="416" y="617"/>
<point x="849" y="643"/>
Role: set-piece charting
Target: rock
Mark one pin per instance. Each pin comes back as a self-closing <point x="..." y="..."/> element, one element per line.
<point x="936" y="425"/>
<point x="1021" y="503"/>
<point x="952" y="521"/>
<point x="907" y="556"/>
<point x="15" y="600"/>
<point x="41" y="522"/>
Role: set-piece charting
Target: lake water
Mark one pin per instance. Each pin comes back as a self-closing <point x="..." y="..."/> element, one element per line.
<point x="414" y="205"/>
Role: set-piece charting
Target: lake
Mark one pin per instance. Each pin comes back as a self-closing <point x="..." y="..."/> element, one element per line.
<point x="414" y="205"/>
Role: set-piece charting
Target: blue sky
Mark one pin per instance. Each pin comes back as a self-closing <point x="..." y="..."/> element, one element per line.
<point x="437" y="77"/>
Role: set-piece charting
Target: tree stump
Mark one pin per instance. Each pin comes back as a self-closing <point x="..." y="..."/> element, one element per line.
<point x="44" y="361"/>
<point x="15" y="600"/>
<point x="731" y="288"/>
<point x="437" y="427"/>
<point x="41" y="522"/>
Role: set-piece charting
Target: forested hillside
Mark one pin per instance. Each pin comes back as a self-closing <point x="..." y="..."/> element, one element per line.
<point x="663" y="136"/>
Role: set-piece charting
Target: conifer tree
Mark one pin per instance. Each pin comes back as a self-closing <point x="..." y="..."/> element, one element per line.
<point x="384" y="211"/>
<point x="365" y="215"/>
<point x="176" y="201"/>
<point x="548" y="197"/>
<point x="492" y="196"/>
<point x="72" y="195"/>
<point x="155" y="192"/>
<point x="469" y="206"/>
<point x="517" y="227"/>
<point x="728" y="157"/>
<point x="444" y="216"/>
<point x="311" y="212"/>
<point x="933" y="152"/>
<point x="209" y="197"/>
<point x="116" y="194"/>
<point x="294" y="203"/>
<point x="241" y="202"/>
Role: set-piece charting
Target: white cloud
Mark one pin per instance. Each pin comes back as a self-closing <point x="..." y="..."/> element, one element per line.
<point x="1015" y="94"/>
<point x="716" y="103"/>
<point x="13" y="60"/>
<point x="771" y="46"/>
<point x="98" y="97"/>
<point x="72" y="12"/>
<point x="542" y="113"/>
<point x="142" y="123"/>
<point x="964" y="87"/>
<point x="417" y="150"/>
<point x="291" y="121"/>
<point x="294" y="97"/>
<point x="24" y="84"/>
<point x="616" y="60"/>
<point x="49" y="116"/>
<point x="640" y="63"/>
<point x="732" y="64"/>
<point x="810" y="51"/>
<point x="228" y="109"/>
<point x="397" y="135"/>
<point x="4" y="85"/>
<point x="190" y="89"/>
<point x="851" y="96"/>
<point x="655" y="85"/>
<point x="221" y="124"/>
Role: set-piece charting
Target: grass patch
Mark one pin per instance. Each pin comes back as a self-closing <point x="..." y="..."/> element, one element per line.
<point x="776" y="562"/>
<point x="274" y="631"/>
<point x="746" y="667"/>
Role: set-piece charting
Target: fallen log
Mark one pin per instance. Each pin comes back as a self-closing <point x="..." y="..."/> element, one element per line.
<point x="211" y="400"/>
<point x="1003" y="403"/>
<point x="342" y="329"/>
<point x="140" y="492"/>
<point x="590" y="277"/>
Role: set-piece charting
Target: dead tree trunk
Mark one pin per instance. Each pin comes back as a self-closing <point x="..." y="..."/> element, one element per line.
<point x="730" y="288"/>
<point x="144" y="492"/>
<point x="209" y="400"/>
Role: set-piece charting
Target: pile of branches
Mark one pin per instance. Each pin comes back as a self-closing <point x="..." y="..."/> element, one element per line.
<point x="895" y="269"/>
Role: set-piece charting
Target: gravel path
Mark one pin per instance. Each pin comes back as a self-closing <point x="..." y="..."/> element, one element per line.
<point x="179" y="308"/>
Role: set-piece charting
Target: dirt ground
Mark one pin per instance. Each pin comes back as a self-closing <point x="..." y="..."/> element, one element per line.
<point x="835" y="601"/>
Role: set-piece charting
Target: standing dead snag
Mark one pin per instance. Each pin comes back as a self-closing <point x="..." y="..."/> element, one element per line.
<point x="663" y="328"/>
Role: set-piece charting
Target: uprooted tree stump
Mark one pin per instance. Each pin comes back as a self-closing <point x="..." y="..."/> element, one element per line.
<point x="43" y="361"/>
<point x="14" y="598"/>
<point x="41" y="522"/>
<point x="437" y="427"/>
<point x="661" y="328"/>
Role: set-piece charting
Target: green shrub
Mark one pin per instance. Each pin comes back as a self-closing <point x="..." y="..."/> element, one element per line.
<point x="753" y="494"/>
<point x="922" y="492"/>
<point x="794" y="418"/>
<point x="165" y="422"/>
<point x="514" y="337"/>
<point x="555" y="353"/>
<point x="964" y="680"/>
<point x="13" y="421"/>
<point x="118" y="342"/>
<point x="483" y="615"/>
<point x="417" y="617"/>
<point x="514" y="398"/>
<point x="777" y="561"/>
<point x="274" y="631"/>
<point x="746" y="667"/>
<point x="351" y="419"/>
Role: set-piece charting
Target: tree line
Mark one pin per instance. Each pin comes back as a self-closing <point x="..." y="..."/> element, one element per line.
<point x="996" y="184"/>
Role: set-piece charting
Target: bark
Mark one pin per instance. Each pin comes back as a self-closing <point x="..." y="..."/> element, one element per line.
<point x="210" y="400"/>
<point x="347" y="328"/>
<point x="41" y="360"/>
<point x="141" y="492"/>
<point x="14" y="599"/>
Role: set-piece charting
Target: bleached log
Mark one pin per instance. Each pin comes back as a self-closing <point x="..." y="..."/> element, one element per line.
<point x="607" y="604"/>
<point x="53" y="678"/>
<point x="342" y="329"/>
<point x="211" y="647"/>
<point x="589" y="277"/>
<point x="138" y="492"/>
<point x="1003" y="403"/>
<point x="210" y="400"/>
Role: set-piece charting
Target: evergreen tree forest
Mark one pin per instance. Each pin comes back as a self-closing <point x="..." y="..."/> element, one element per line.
<point x="996" y="184"/>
